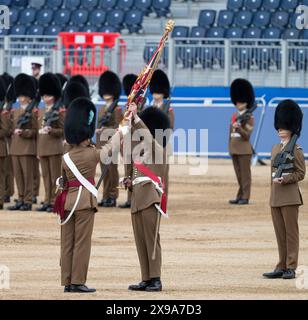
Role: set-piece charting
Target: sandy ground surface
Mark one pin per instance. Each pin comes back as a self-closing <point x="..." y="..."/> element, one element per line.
<point x="211" y="250"/>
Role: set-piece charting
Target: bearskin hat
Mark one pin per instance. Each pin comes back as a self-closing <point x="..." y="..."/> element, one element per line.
<point x="160" y="83"/>
<point x="62" y="78"/>
<point x="50" y="85"/>
<point x="128" y="82"/>
<point x="155" y="118"/>
<point x="289" y="116"/>
<point x="81" y="79"/>
<point x="2" y="89"/>
<point x="242" y="91"/>
<point x="80" y="120"/>
<point x="74" y="90"/>
<point x="8" y="79"/>
<point x="109" y="84"/>
<point x="25" y="85"/>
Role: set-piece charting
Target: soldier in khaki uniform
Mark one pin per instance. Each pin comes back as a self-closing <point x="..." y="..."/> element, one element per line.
<point x="5" y="131"/>
<point x="109" y="117"/>
<point x="146" y="198"/>
<point x="23" y="145"/>
<point x="77" y="225"/>
<point x="240" y="149"/>
<point x="127" y="83"/>
<point x="50" y="137"/>
<point x="8" y="174"/>
<point x="286" y="197"/>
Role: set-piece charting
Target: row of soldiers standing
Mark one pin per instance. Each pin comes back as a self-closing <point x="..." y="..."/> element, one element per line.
<point x="29" y="136"/>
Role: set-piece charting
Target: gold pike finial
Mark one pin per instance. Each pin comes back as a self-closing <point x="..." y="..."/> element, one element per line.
<point x="169" y="26"/>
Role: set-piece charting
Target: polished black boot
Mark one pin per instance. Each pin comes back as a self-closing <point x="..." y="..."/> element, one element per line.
<point x="81" y="288"/>
<point x="26" y="207"/>
<point x="235" y="201"/>
<point x="276" y="274"/>
<point x="289" y="274"/>
<point x="155" y="285"/>
<point x="101" y="203"/>
<point x="140" y="286"/>
<point x="67" y="288"/>
<point x="16" y="206"/>
<point x="44" y="207"/>
<point x="110" y="203"/>
<point x="125" y="205"/>
<point x="50" y="209"/>
<point x="243" y="201"/>
<point x="1" y="206"/>
<point x="34" y="200"/>
<point x="7" y="199"/>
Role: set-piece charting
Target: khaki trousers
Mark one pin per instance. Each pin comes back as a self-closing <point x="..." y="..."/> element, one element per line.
<point x="285" y="220"/>
<point x="9" y="177"/>
<point x="144" y="225"/>
<point x="2" y="180"/>
<point x="23" y="172"/>
<point x="242" y="170"/>
<point x="36" y="177"/>
<point x="111" y="182"/>
<point x="51" y="170"/>
<point x="76" y="237"/>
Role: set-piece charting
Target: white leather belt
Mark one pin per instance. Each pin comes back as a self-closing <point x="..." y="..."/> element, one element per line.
<point x="143" y="179"/>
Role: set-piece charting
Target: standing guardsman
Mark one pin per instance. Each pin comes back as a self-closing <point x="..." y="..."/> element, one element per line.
<point x="241" y="127"/>
<point x="287" y="169"/>
<point x="5" y="131"/>
<point x="77" y="203"/>
<point x="109" y="117"/>
<point x="10" y="99"/>
<point x="50" y="137"/>
<point x="160" y="90"/>
<point x="147" y="183"/>
<point x="23" y="145"/>
<point x="127" y="83"/>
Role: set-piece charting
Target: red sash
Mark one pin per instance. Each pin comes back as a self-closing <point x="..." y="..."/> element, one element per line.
<point x="147" y="172"/>
<point x="61" y="197"/>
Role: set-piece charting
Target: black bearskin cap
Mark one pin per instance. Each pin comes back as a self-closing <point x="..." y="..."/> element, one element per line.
<point x="62" y="78"/>
<point x="2" y="89"/>
<point x="155" y="118"/>
<point x="25" y="85"/>
<point x="242" y="91"/>
<point x="128" y="82"/>
<point x="110" y="84"/>
<point x="8" y="79"/>
<point x="160" y="83"/>
<point x="289" y="116"/>
<point x="50" y="85"/>
<point x="81" y="79"/>
<point x="74" y="90"/>
<point x="80" y="121"/>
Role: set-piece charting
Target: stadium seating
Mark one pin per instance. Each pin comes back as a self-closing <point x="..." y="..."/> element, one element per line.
<point x="225" y="18"/>
<point x="62" y="17"/>
<point x="27" y="16"/>
<point x="115" y="19"/>
<point x="97" y="18"/>
<point x="35" y="30"/>
<point x="280" y="19"/>
<point x="44" y="16"/>
<point x="253" y="5"/>
<point x="206" y="18"/>
<point x="271" y="5"/>
<point x="161" y="7"/>
<point x="89" y="4"/>
<point x="235" y="4"/>
<point x="261" y="19"/>
<point x="133" y="21"/>
<point x="243" y="19"/>
<point x="143" y="5"/>
<point x="125" y="4"/>
<point x="54" y="4"/>
<point x="79" y="17"/>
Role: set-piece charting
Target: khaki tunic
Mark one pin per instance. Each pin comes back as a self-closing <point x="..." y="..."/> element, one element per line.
<point x="288" y="193"/>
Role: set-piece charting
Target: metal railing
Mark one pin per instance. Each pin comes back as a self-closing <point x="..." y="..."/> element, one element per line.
<point x="188" y="61"/>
